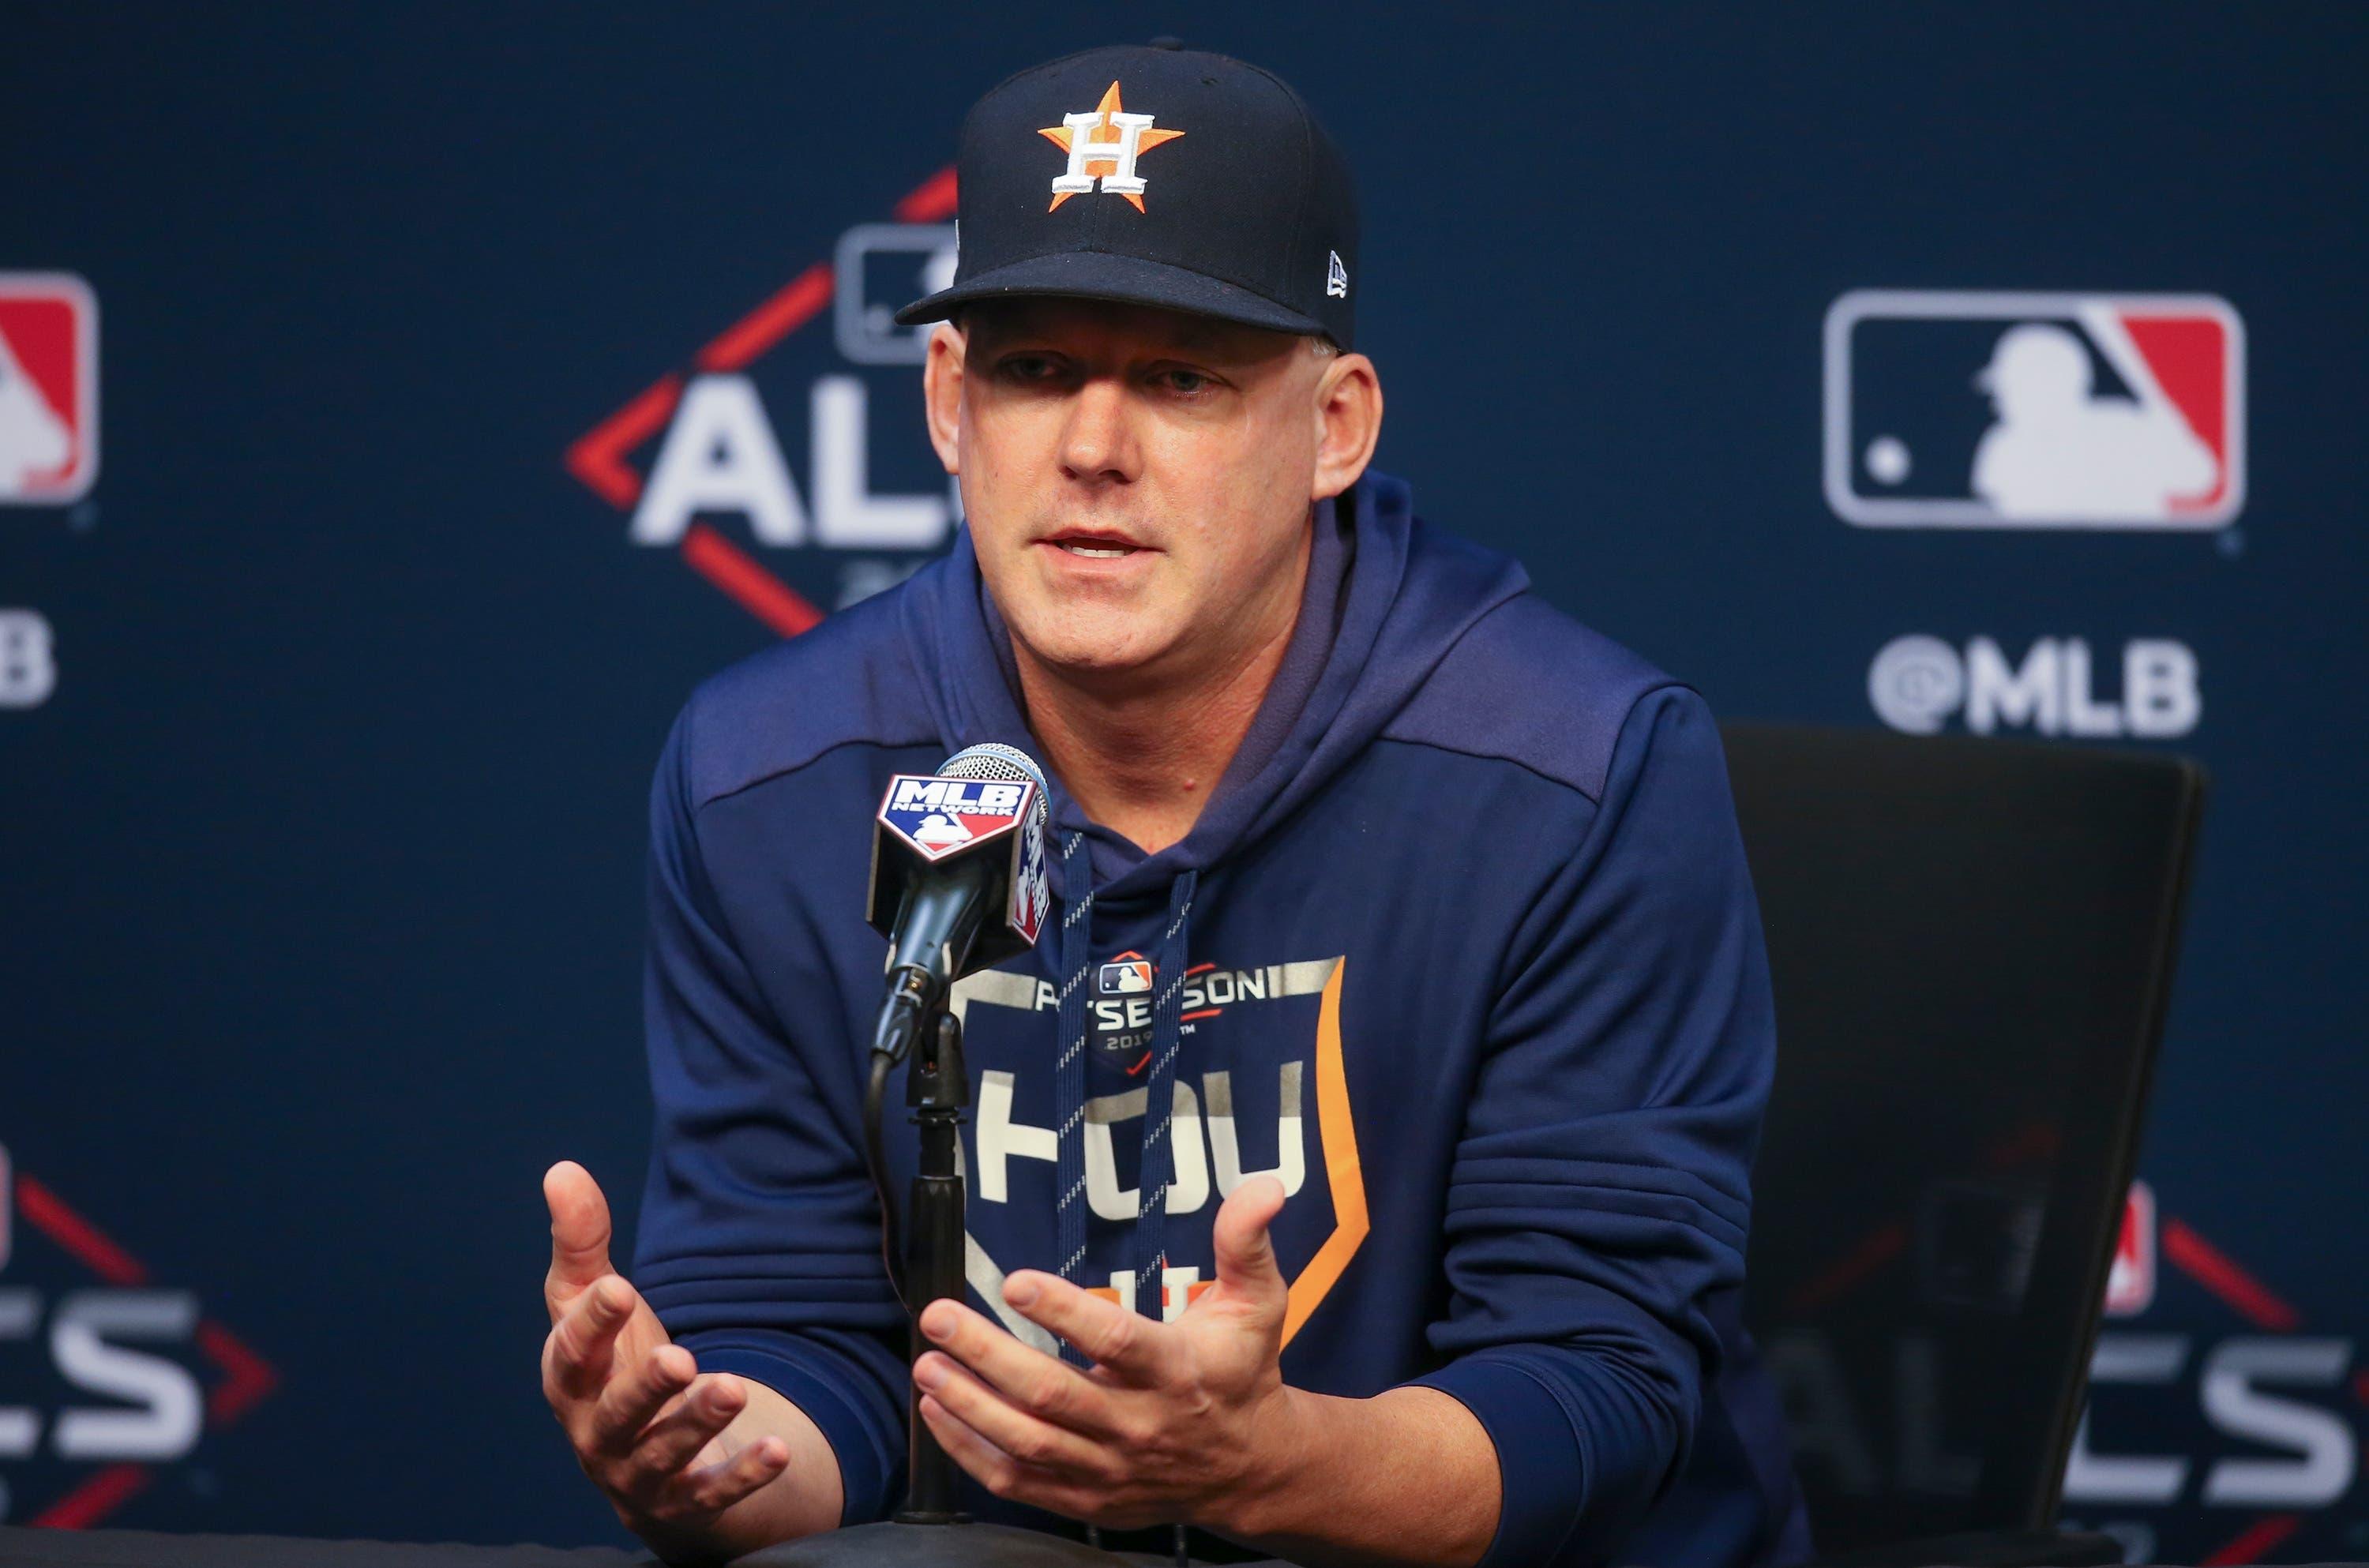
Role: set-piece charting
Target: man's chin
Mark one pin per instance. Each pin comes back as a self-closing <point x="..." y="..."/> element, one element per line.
<point x="1097" y="645"/>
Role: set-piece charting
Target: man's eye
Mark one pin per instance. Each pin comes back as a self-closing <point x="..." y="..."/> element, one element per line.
<point x="1028" y="367"/>
<point x="1190" y="382"/>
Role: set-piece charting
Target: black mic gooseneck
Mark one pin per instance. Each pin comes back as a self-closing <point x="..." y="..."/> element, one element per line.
<point x="937" y="926"/>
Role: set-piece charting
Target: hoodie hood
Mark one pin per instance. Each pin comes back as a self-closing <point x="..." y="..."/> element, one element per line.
<point x="1388" y="596"/>
<point x="1386" y="600"/>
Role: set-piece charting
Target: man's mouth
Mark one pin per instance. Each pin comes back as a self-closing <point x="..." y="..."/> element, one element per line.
<point x="1094" y="545"/>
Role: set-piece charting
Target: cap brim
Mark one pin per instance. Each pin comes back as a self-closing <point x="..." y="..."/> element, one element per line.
<point x="1125" y="279"/>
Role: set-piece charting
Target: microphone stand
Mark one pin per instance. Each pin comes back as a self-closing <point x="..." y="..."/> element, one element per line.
<point x="934" y="936"/>
<point x="937" y="1090"/>
<point x="921" y="1031"/>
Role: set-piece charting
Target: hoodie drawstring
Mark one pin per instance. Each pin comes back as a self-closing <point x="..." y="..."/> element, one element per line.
<point x="1069" y="1067"/>
<point x="1158" y="1166"/>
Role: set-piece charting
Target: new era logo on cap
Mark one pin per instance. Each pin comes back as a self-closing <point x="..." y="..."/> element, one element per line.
<point x="1232" y="201"/>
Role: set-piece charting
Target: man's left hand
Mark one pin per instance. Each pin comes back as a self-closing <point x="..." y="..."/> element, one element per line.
<point x="1186" y="1421"/>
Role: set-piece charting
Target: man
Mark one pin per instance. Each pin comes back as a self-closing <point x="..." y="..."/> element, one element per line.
<point x="1371" y="866"/>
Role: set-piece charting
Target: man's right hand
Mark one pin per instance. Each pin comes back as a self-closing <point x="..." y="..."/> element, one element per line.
<point x="686" y="1458"/>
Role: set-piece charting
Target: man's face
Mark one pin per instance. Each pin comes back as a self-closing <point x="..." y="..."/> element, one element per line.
<point x="1137" y="481"/>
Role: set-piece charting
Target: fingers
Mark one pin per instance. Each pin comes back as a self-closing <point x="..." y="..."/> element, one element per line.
<point x="990" y="1466"/>
<point x="674" y="1439"/>
<point x="1042" y="1385"/>
<point x="1027" y="1438"/>
<point x="634" y="1399"/>
<point x="1245" y="1252"/>
<point x="1007" y="1477"/>
<point x="1126" y="1343"/>
<point x="712" y="1488"/>
<point x="579" y="1233"/>
<point x="654" y="1468"/>
<point x="583" y="1343"/>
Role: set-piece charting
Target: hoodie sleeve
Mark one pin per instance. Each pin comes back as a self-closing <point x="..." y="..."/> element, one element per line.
<point x="759" y="1245"/>
<point x="1600" y="1189"/>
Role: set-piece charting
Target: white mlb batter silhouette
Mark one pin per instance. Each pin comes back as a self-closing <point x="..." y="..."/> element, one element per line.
<point x="34" y="443"/>
<point x="2056" y="451"/>
<point x="940" y="828"/>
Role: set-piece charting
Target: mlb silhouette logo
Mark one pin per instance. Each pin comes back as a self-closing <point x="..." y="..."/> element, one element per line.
<point x="1125" y="977"/>
<point x="2129" y="1279"/>
<point x="876" y="268"/>
<point x="1948" y="409"/>
<point x="49" y="388"/>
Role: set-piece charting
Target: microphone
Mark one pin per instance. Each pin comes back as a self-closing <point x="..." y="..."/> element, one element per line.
<point x="958" y="879"/>
<point x="959" y="882"/>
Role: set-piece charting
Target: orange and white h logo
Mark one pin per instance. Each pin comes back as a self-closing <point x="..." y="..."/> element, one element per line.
<point x="1102" y="145"/>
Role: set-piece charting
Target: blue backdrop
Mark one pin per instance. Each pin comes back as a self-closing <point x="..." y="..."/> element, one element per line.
<point x="337" y="640"/>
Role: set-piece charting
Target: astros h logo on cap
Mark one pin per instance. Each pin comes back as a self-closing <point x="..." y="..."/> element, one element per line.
<point x="1233" y="201"/>
<point x="1102" y="145"/>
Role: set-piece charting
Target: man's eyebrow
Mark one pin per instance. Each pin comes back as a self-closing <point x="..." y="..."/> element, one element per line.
<point x="1188" y="334"/>
<point x="1191" y="334"/>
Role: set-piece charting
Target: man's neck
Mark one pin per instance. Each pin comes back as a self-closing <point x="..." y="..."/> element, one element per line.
<point x="1143" y="756"/>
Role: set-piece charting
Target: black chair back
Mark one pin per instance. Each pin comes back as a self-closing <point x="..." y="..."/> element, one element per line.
<point x="1971" y="944"/>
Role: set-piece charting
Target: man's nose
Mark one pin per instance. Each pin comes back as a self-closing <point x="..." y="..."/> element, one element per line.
<point x="1098" y="444"/>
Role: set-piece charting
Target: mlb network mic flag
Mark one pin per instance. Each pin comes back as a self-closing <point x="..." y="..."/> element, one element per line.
<point x="925" y="818"/>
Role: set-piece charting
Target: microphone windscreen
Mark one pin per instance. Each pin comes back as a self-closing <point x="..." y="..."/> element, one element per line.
<point x="990" y="760"/>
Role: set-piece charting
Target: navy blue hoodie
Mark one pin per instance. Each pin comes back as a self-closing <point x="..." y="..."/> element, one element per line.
<point x="1462" y="949"/>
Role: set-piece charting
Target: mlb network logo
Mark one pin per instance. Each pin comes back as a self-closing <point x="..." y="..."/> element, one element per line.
<point x="939" y="815"/>
<point x="49" y="388"/>
<point x="1948" y="409"/>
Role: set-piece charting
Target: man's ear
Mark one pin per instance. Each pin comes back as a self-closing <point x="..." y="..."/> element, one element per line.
<point x="1348" y="413"/>
<point x="942" y="392"/>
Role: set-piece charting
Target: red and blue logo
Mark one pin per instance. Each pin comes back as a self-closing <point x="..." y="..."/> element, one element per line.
<point x="49" y="388"/>
<point x="939" y="817"/>
<point x="1125" y="976"/>
<point x="1958" y="409"/>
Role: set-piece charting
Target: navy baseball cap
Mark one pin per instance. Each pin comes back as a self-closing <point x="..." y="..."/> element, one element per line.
<point x="1154" y="175"/>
